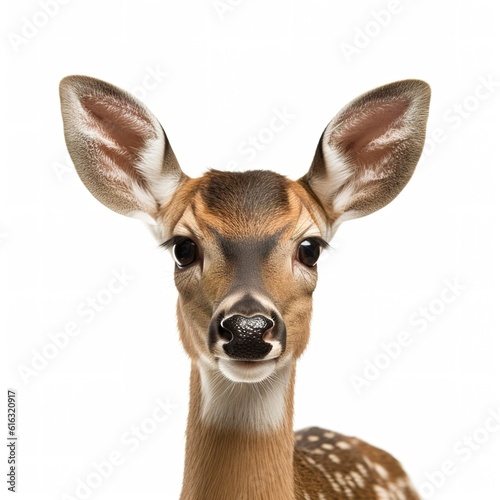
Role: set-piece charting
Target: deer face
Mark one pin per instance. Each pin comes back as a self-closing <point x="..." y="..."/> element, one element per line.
<point x="245" y="244"/>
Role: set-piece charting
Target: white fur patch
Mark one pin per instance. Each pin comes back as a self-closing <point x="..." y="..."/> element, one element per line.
<point x="143" y="217"/>
<point x="246" y="372"/>
<point x="144" y="198"/>
<point x="338" y="172"/>
<point x="162" y="184"/>
<point x="255" y="407"/>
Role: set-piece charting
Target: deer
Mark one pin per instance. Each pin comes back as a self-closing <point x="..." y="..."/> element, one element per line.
<point x="246" y="246"/>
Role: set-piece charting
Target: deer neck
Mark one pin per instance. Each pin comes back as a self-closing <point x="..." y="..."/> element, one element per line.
<point x="239" y="442"/>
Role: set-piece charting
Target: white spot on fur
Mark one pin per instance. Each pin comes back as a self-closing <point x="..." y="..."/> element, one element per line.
<point x="362" y="469"/>
<point x="329" y="478"/>
<point x="382" y="493"/>
<point x="344" y="445"/>
<point x="381" y="471"/>
<point x="327" y="446"/>
<point x="350" y="481"/>
<point x="340" y="478"/>
<point x="334" y="458"/>
<point x="360" y="482"/>
<point x="397" y="493"/>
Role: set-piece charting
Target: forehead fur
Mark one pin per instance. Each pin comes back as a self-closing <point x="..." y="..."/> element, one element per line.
<point x="240" y="204"/>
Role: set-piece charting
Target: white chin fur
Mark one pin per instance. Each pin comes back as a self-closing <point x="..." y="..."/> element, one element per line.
<point x="246" y="396"/>
<point x="247" y="371"/>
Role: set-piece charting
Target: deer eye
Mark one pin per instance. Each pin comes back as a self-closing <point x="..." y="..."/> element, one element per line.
<point x="185" y="252"/>
<point x="309" y="251"/>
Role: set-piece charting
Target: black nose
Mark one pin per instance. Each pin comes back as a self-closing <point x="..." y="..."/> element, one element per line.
<point x="246" y="336"/>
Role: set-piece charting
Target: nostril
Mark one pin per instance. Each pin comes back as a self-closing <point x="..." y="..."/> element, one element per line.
<point x="268" y="335"/>
<point x="224" y="333"/>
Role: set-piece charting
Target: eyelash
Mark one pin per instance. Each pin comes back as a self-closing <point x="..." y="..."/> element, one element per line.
<point x="171" y="242"/>
<point x="321" y="242"/>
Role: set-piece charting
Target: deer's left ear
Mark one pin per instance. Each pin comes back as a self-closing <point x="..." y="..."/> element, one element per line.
<point x="369" y="151"/>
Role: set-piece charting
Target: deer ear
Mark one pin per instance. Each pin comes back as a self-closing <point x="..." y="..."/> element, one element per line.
<point x="118" y="147"/>
<point x="369" y="151"/>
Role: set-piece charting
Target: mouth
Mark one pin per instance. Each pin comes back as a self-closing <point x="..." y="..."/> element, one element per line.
<point x="247" y="371"/>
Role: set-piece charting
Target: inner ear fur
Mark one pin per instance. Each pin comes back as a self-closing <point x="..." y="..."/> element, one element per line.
<point x="369" y="151"/>
<point x="119" y="148"/>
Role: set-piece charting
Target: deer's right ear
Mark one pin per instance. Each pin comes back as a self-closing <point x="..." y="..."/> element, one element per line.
<point x="119" y="148"/>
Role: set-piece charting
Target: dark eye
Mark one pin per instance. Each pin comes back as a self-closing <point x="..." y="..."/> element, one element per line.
<point x="309" y="251"/>
<point x="185" y="252"/>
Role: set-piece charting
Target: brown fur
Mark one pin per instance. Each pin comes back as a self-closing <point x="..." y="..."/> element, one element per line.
<point x="201" y="292"/>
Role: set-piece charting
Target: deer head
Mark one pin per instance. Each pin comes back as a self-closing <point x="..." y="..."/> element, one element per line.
<point x="245" y="244"/>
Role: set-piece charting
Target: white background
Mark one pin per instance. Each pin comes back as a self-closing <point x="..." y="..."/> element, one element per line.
<point x="222" y="69"/>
